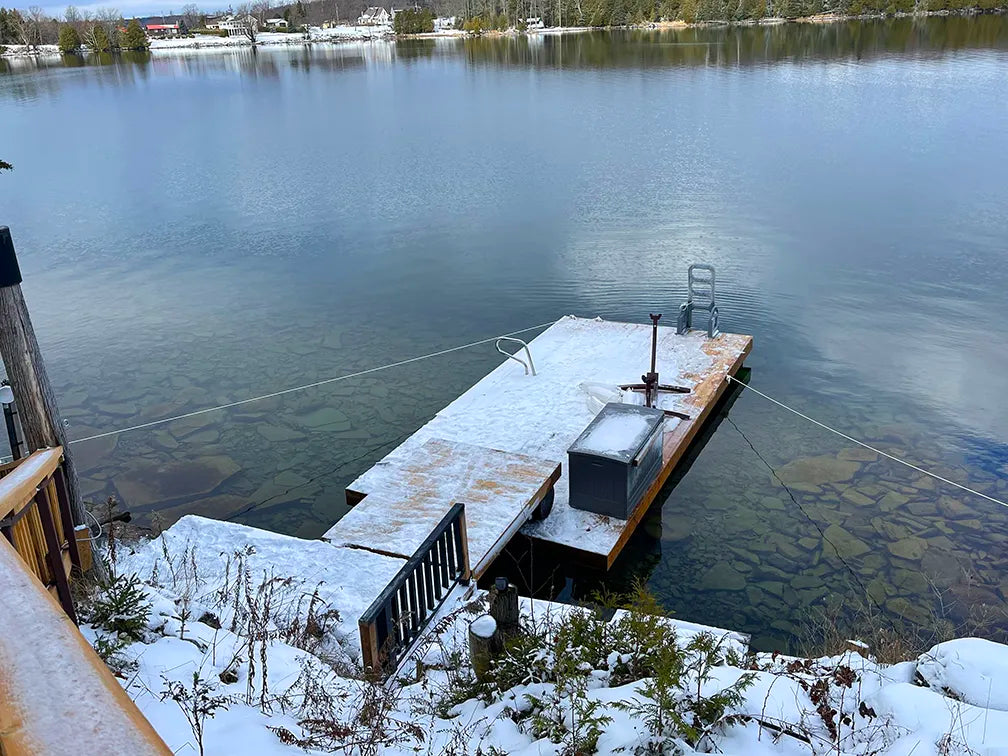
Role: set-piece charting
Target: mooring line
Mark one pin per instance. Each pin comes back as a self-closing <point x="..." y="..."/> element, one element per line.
<point x="314" y="384"/>
<point x="853" y="440"/>
<point x="814" y="523"/>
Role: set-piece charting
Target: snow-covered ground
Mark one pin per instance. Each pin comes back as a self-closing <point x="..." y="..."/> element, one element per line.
<point x="211" y="41"/>
<point x="20" y="51"/>
<point x="258" y="641"/>
<point x="267" y="39"/>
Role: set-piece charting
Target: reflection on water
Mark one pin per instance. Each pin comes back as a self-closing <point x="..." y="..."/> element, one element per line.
<point x="215" y="225"/>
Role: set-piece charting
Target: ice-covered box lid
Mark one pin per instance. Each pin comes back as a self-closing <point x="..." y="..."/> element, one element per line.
<point x="618" y="431"/>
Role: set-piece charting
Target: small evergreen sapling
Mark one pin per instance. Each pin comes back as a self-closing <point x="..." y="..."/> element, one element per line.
<point x="121" y="608"/>
<point x="196" y="703"/>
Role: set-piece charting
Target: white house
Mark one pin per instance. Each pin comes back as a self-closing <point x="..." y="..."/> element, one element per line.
<point x="443" y="23"/>
<point x="277" y="23"/>
<point x="239" y="26"/>
<point x="375" y="17"/>
<point x="534" y="22"/>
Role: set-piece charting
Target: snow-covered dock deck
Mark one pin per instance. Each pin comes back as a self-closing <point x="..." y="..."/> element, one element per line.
<point x="497" y="445"/>
<point x="499" y="491"/>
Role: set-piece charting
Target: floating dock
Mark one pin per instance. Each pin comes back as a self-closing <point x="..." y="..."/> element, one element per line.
<point x="501" y="447"/>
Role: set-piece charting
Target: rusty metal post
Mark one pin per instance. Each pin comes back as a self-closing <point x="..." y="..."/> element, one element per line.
<point x="651" y="379"/>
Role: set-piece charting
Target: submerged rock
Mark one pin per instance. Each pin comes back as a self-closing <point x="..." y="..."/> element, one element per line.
<point x="722" y="577"/>
<point x="857" y="454"/>
<point x="276" y="433"/>
<point x="854" y="496"/>
<point x="892" y="501"/>
<point x="676" y="528"/>
<point x="847" y="545"/>
<point x="911" y="548"/>
<point x="878" y="590"/>
<point x="953" y="509"/>
<point x="812" y="472"/>
<point x="149" y="483"/>
<point x="909" y="611"/>
<point x="325" y="419"/>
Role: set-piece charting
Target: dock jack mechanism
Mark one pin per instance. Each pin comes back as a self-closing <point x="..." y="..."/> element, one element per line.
<point x="700" y="297"/>
<point x="650" y="387"/>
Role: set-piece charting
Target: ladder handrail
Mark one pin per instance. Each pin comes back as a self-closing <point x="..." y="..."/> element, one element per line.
<point x="513" y="357"/>
<point x="699" y="285"/>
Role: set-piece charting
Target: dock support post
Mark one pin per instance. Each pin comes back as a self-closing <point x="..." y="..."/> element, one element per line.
<point x="503" y="598"/>
<point x="26" y="370"/>
<point x="485" y="644"/>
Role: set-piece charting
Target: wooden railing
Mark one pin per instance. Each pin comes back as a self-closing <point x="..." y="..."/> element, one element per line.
<point x="35" y="519"/>
<point x="56" y="695"/>
<point x="400" y="613"/>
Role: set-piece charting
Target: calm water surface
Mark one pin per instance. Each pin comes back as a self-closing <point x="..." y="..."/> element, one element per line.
<point x="201" y="227"/>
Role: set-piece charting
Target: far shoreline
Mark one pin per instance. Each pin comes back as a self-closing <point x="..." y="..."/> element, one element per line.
<point x="356" y="35"/>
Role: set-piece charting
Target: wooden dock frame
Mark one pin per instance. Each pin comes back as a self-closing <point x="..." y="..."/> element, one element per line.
<point x="508" y="415"/>
<point x="501" y="448"/>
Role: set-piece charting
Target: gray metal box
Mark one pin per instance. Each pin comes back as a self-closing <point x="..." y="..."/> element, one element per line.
<point x="614" y="461"/>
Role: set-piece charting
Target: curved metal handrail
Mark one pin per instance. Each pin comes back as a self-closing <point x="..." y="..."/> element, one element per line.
<point x="512" y="357"/>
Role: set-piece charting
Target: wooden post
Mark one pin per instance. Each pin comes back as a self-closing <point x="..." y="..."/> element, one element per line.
<point x="55" y="554"/>
<point x="36" y="403"/>
<point x="503" y="598"/>
<point x="484" y="645"/>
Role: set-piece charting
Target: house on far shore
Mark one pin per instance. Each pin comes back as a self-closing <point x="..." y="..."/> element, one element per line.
<point x="535" y="22"/>
<point x="444" y="23"/>
<point x="214" y="24"/>
<point x="277" y="23"/>
<point x="164" y="26"/>
<point x="374" y="17"/>
<point x="238" y="26"/>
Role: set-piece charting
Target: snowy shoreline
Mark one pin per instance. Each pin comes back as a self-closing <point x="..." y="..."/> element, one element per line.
<point x="262" y="621"/>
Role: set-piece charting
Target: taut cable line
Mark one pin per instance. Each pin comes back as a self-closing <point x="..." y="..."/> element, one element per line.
<point x="314" y="384"/>
<point x="853" y="440"/>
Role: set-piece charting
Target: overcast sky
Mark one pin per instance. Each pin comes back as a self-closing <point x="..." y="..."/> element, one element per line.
<point x="129" y="8"/>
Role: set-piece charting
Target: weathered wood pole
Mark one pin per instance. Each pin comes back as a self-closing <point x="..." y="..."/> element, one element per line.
<point x="36" y="403"/>
<point x="484" y="645"/>
<point x="503" y="598"/>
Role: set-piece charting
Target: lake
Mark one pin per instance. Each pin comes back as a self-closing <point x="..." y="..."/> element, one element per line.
<point x="199" y="227"/>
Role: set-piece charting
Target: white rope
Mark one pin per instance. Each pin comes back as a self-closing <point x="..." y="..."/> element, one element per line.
<point x="359" y="373"/>
<point x="853" y="440"/>
<point x="91" y="537"/>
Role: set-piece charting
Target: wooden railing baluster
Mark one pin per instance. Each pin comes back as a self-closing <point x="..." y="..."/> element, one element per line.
<point x="398" y="616"/>
<point x="36" y="519"/>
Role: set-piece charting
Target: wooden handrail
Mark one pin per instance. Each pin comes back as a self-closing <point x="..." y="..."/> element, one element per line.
<point x="18" y="487"/>
<point x="35" y="519"/>
<point x="398" y="616"/>
<point x="56" y="694"/>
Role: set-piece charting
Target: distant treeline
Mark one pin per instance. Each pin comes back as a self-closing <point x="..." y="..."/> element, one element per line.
<point x="477" y="15"/>
<point x="499" y="14"/>
<point x="414" y="21"/>
<point x="735" y="45"/>
<point x="103" y="29"/>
